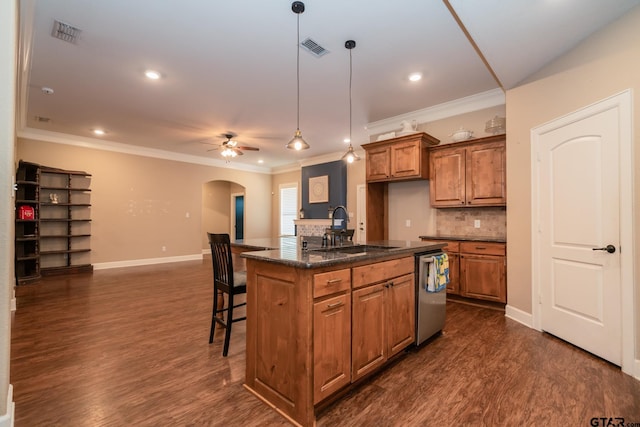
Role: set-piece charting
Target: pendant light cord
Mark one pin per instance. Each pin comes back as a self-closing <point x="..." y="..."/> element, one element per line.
<point x="350" y="79"/>
<point x="298" y="72"/>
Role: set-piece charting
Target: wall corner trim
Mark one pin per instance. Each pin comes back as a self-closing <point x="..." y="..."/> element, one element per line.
<point x="519" y="316"/>
<point x="7" y="419"/>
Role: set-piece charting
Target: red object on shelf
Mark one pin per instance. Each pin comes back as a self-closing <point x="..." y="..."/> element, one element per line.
<point x="26" y="212"/>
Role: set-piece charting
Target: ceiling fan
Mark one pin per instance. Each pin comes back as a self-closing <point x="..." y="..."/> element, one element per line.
<point x="230" y="148"/>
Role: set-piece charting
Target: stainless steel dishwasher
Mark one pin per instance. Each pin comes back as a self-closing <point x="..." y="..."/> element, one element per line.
<point x="430" y="306"/>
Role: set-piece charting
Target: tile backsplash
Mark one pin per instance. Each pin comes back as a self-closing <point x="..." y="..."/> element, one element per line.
<point x="460" y="222"/>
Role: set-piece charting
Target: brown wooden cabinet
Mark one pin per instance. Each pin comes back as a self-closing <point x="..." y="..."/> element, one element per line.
<point x="331" y="345"/>
<point x="312" y="332"/>
<point x="399" y="158"/>
<point x="331" y="332"/>
<point x="467" y="174"/>
<point x="476" y="269"/>
<point x="368" y="322"/>
<point x="383" y="315"/>
<point x="483" y="271"/>
<point x="400" y="315"/>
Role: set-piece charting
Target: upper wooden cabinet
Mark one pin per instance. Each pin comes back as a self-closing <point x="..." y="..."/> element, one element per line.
<point x="402" y="158"/>
<point x="471" y="173"/>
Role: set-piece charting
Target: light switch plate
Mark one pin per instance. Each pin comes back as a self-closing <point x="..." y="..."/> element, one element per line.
<point x="407" y="223"/>
<point x="476" y="223"/>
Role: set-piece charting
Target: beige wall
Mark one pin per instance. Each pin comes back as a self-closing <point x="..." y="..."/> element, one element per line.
<point x="603" y="65"/>
<point x="276" y="181"/>
<point x="474" y="121"/>
<point x="355" y="176"/>
<point x="140" y="204"/>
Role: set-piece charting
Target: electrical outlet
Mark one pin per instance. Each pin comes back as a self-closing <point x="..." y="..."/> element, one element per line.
<point x="187" y="215"/>
<point x="476" y="223"/>
<point x="164" y="249"/>
<point x="407" y="223"/>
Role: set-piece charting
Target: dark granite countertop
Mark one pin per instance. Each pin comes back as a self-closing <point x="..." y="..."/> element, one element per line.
<point x="289" y="251"/>
<point x="465" y="238"/>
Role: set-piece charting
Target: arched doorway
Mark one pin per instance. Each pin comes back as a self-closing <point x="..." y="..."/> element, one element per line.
<point x="222" y="209"/>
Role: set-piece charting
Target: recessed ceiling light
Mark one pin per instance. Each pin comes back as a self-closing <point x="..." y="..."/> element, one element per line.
<point x="99" y="132"/>
<point x="414" y="77"/>
<point x="153" y="75"/>
<point x="261" y="161"/>
<point x="47" y="90"/>
<point x="347" y="140"/>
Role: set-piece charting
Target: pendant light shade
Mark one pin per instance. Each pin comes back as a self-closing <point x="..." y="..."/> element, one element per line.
<point x="350" y="156"/>
<point x="297" y="142"/>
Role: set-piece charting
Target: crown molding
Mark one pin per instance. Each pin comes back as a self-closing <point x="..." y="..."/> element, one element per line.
<point x="118" y="147"/>
<point x="480" y="101"/>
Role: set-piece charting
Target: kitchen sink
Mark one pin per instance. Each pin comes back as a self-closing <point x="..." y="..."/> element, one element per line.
<point x="355" y="249"/>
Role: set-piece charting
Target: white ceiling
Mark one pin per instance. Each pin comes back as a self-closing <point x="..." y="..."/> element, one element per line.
<point x="230" y="65"/>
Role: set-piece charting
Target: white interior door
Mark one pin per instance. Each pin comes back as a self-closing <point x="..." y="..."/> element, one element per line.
<point x="361" y="201"/>
<point x="579" y="213"/>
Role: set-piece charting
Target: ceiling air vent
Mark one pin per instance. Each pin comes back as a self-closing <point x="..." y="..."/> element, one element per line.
<point x="65" y="32"/>
<point x="314" y="48"/>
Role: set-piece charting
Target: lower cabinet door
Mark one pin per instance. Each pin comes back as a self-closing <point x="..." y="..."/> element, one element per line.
<point x="453" y="287"/>
<point x="331" y="345"/>
<point x="483" y="277"/>
<point x="368" y="350"/>
<point x="401" y="310"/>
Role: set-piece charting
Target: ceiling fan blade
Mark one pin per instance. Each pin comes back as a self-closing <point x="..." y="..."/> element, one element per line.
<point x="248" y="148"/>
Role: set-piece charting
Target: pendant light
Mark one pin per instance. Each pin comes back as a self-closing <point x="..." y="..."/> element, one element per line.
<point x="350" y="156"/>
<point x="297" y="143"/>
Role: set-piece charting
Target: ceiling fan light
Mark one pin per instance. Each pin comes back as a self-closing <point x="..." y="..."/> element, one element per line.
<point x="297" y="142"/>
<point x="228" y="152"/>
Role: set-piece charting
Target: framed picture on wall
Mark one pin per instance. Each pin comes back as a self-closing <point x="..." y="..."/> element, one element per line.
<point x="319" y="189"/>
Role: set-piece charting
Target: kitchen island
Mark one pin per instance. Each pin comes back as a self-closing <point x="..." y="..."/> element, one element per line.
<point x="322" y="319"/>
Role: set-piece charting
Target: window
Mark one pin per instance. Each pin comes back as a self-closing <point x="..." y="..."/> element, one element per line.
<point x="288" y="208"/>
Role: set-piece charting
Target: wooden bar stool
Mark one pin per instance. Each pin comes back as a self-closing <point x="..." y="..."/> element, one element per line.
<point x="225" y="281"/>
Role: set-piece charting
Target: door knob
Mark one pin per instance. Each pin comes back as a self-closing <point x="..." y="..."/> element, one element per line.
<point x="609" y="248"/>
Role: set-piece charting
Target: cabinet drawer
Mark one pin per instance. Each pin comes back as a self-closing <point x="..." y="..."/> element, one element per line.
<point x="483" y="248"/>
<point x="453" y="247"/>
<point x="331" y="282"/>
<point x="373" y="273"/>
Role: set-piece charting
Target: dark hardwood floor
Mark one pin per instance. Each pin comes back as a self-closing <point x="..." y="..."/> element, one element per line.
<point x="130" y="347"/>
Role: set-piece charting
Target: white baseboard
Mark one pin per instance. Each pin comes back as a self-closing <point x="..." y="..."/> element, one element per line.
<point x="7" y="419"/>
<point x="519" y="316"/>
<point x="206" y="251"/>
<point x="146" y="261"/>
